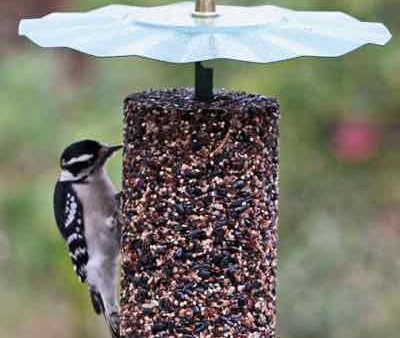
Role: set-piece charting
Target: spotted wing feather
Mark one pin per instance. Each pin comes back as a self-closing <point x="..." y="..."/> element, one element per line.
<point x="68" y="212"/>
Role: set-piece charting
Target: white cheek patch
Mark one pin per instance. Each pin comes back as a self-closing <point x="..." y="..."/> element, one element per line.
<point x="82" y="158"/>
<point x="66" y="176"/>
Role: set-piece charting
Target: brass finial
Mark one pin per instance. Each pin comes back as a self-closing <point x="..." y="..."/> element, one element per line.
<point x="205" y="9"/>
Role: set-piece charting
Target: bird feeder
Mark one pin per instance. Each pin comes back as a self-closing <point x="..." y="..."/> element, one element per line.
<point x="201" y="167"/>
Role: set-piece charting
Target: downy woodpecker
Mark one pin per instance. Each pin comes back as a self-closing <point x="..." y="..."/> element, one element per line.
<point x="86" y="209"/>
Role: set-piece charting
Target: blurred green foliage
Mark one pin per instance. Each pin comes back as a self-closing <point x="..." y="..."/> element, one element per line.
<point x="340" y="220"/>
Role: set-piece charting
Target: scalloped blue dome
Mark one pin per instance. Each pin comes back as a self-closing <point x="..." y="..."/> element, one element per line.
<point x="170" y="33"/>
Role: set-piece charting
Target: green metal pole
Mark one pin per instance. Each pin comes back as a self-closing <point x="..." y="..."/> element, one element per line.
<point x="203" y="83"/>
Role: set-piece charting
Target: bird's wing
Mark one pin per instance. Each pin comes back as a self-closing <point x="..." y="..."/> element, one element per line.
<point x="68" y="212"/>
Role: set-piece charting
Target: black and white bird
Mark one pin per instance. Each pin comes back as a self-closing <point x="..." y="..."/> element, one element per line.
<point x="86" y="208"/>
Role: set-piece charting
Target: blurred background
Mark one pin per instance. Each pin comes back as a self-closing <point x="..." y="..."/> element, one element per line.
<point x="339" y="272"/>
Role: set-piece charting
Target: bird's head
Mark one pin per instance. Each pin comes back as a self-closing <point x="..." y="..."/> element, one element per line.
<point x="84" y="158"/>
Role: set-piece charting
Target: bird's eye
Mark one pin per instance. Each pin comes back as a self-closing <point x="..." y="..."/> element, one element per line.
<point x="92" y="161"/>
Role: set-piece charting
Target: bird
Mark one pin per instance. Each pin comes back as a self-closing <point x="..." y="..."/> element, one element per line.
<point x="86" y="209"/>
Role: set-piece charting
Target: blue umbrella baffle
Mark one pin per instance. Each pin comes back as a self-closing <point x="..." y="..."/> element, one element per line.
<point x="182" y="33"/>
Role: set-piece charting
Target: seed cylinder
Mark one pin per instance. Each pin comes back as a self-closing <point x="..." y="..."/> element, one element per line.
<point x="200" y="212"/>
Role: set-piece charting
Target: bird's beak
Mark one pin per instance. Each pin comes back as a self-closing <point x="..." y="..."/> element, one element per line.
<point x="108" y="151"/>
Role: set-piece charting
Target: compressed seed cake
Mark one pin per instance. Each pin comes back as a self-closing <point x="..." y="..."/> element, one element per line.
<point x="200" y="211"/>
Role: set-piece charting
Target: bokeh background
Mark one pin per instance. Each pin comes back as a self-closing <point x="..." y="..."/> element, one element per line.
<point x="339" y="273"/>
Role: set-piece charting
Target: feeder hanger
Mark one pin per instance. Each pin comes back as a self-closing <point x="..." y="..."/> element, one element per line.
<point x="204" y="76"/>
<point x="205" y="9"/>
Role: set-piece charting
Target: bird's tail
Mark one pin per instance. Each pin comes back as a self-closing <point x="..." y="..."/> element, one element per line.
<point x="112" y="319"/>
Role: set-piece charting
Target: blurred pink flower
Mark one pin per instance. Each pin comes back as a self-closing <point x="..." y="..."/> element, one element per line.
<point x="355" y="141"/>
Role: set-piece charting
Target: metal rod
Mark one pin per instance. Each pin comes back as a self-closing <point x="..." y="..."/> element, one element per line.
<point x="205" y="8"/>
<point x="203" y="83"/>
